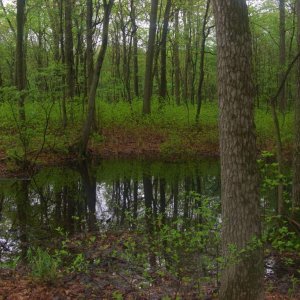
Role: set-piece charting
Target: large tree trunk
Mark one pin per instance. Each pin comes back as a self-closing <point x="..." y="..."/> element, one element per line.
<point x="92" y="95"/>
<point x="20" y="57"/>
<point x="243" y="278"/>
<point x="149" y="58"/>
<point x="296" y="162"/>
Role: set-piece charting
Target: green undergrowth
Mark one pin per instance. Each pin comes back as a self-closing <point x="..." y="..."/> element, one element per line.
<point x="43" y="126"/>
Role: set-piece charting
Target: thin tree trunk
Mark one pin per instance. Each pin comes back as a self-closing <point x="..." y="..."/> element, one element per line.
<point x="296" y="160"/>
<point x="69" y="55"/>
<point x="62" y="47"/>
<point x="92" y="95"/>
<point x="187" y="39"/>
<point x="89" y="44"/>
<point x="282" y="53"/>
<point x="148" y="85"/>
<point x="176" y="58"/>
<point x="163" y="52"/>
<point x="280" y="207"/>
<point x="202" y="55"/>
<point x="53" y="13"/>
<point x="20" y="57"/>
<point x="279" y="158"/>
<point x="135" y="50"/>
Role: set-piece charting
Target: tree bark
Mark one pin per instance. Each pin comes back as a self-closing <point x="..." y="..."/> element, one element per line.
<point x="62" y="47"/>
<point x="53" y="13"/>
<point x="89" y="44"/>
<point x="126" y="54"/>
<point x="69" y="55"/>
<point x="148" y="85"/>
<point x="202" y="56"/>
<point x="92" y="95"/>
<point x="20" y="57"/>
<point x="282" y="53"/>
<point x="243" y="278"/>
<point x="187" y="63"/>
<point x="163" y="52"/>
<point x="176" y="58"/>
<point x="296" y="160"/>
<point x="135" y="50"/>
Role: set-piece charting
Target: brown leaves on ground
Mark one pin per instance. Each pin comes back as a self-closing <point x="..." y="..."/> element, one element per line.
<point x="111" y="276"/>
<point x="154" y="143"/>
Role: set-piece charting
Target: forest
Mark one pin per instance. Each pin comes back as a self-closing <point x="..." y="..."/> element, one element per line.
<point x="150" y="149"/>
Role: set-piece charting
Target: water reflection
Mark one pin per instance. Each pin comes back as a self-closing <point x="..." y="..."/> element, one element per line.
<point x="93" y="198"/>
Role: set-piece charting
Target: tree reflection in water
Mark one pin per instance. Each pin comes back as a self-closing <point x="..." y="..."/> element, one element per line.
<point x="148" y="198"/>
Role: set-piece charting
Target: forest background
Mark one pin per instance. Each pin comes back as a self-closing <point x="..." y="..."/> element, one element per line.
<point x="58" y="71"/>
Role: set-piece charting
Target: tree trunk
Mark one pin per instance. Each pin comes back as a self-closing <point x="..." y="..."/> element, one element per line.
<point x="187" y="63"/>
<point x="176" y="58"/>
<point x="126" y="54"/>
<point x="163" y="52"/>
<point x="62" y="47"/>
<point x="149" y="58"/>
<point x="1" y="80"/>
<point x="23" y="210"/>
<point x="53" y="13"/>
<point x="89" y="44"/>
<point x="92" y="95"/>
<point x="90" y="187"/>
<point x="69" y="55"/>
<point x="202" y="55"/>
<point x="296" y="160"/>
<point x="20" y="57"/>
<point x="243" y="278"/>
<point x="282" y="53"/>
<point x="135" y="50"/>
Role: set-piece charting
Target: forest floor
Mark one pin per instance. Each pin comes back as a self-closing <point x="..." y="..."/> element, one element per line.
<point x="117" y="277"/>
<point x="145" y="143"/>
<point x="117" y="142"/>
<point x="168" y="134"/>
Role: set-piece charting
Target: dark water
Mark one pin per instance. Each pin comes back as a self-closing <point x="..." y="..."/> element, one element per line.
<point x="172" y="210"/>
<point x="110" y="195"/>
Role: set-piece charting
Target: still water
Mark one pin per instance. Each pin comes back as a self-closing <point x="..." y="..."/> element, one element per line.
<point x="100" y="197"/>
<point x="132" y="220"/>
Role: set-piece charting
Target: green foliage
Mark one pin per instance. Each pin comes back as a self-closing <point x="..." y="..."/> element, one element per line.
<point x="178" y="244"/>
<point x="292" y="292"/>
<point x="173" y="145"/>
<point x="265" y="127"/>
<point x="174" y="125"/>
<point x="269" y="172"/>
<point x="79" y="264"/>
<point x="279" y="235"/>
<point x="11" y="263"/>
<point x="117" y="295"/>
<point x="44" y="267"/>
